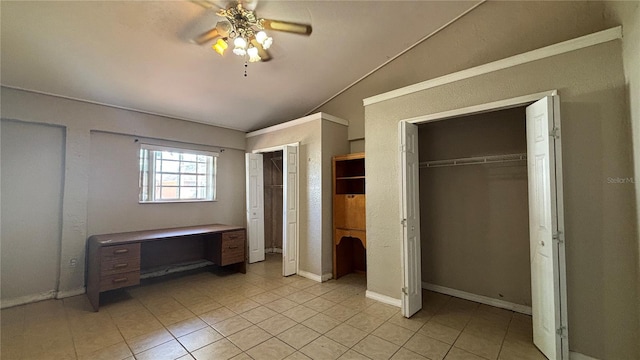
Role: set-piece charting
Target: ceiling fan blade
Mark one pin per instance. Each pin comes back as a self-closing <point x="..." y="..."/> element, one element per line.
<point x="264" y="54"/>
<point x="302" y="29"/>
<point x="207" y="36"/>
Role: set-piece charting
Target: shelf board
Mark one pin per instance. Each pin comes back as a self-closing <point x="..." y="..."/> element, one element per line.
<point x="350" y="177"/>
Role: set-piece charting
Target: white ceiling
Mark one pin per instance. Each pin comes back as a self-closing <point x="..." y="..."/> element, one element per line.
<point x="136" y="54"/>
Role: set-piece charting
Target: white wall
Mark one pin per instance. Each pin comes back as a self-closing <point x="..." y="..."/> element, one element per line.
<point x="80" y="201"/>
<point x="31" y="210"/>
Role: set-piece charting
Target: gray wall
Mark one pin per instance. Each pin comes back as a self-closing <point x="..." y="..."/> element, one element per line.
<point x="602" y="258"/>
<point x="493" y="31"/>
<point x="601" y="233"/>
<point x="318" y="142"/>
<point x="31" y="209"/>
<point x="627" y="13"/>
<point x="334" y="142"/>
<point x="113" y="189"/>
<point x="474" y="219"/>
<point x="93" y="207"/>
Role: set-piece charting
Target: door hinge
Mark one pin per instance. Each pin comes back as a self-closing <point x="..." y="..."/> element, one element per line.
<point x="555" y="133"/>
<point x="405" y="291"/>
<point x="403" y="222"/>
<point x="403" y="148"/>
<point x="559" y="237"/>
<point x="562" y="331"/>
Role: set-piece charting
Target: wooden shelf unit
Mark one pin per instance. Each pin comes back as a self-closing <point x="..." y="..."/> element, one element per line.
<point x="349" y="224"/>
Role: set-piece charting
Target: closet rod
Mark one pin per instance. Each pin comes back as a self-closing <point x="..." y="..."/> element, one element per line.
<point x="491" y="159"/>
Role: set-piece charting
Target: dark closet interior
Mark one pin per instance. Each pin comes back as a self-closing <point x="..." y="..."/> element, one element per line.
<point x="273" y="186"/>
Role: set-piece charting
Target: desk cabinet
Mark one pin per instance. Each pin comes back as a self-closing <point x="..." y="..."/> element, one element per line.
<point x="117" y="260"/>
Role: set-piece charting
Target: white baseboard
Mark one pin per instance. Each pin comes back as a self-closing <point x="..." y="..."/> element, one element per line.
<point x="327" y="277"/>
<point x="478" y="298"/>
<point x="578" y="356"/>
<point x="27" y="299"/>
<point x="310" y="276"/>
<point x="69" y="293"/>
<point x="383" y="298"/>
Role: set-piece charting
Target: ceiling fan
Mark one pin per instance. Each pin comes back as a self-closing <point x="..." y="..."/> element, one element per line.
<point x="242" y="28"/>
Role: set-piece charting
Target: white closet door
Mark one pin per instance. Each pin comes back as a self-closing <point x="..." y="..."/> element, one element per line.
<point x="410" y="212"/>
<point x="290" y="211"/>
<point x="545" y="222"/>
<point x="255" y="207"/>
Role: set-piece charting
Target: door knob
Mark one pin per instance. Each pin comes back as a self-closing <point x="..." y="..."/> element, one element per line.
<point x="541" y="243"/>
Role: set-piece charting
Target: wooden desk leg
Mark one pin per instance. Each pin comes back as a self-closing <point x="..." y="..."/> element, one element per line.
<point x="241" y="267"/>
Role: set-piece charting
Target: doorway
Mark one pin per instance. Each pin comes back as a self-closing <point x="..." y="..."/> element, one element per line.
<point x="546" y="228"/>
<point x="272" y="194"/>
<point x="273" y="186"/>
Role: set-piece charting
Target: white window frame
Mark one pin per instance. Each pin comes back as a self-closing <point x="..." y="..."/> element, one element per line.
<point x="211" y="174"/>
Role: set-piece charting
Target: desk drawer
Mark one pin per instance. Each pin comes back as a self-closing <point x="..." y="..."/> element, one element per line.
<point x="117" y="252"/>
<point x="233" y="246"/>
<point x="118" y="266"/>
<point x="116" y="281"/>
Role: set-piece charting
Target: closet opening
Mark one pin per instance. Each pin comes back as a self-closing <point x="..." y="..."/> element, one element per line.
<point x="466" y="200"/>
<point x="273" y="187"/>
<point x="272" y="205"/>
<point x="474" y="209"/>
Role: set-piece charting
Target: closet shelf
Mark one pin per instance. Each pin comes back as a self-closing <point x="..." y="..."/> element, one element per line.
<point x="478" y="160"/>
<point x="349" y="177"/>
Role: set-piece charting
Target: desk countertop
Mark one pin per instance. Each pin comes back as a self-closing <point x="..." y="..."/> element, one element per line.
<point x="147" y="235"/>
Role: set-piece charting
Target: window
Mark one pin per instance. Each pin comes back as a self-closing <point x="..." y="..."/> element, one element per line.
<point x="176" y="175"/>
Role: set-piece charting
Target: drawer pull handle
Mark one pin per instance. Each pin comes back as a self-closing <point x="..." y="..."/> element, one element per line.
<point x="233" y="247"/>
<point x="121" y="251"/>
<point x="120" y="280"/>
<point x="120" y="266"/>
<point x="231" y="237"/>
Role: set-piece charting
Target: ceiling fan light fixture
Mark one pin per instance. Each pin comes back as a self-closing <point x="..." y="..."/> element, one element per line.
<point x="220" y="46"/>
<point x="240" y="48"/>
<point x="253" y="54"/>
<point x="261" y="36"/>
<point x="267" y="43"/>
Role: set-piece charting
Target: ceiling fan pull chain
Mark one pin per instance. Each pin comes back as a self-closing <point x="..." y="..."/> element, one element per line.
<point x="246" y="65"/>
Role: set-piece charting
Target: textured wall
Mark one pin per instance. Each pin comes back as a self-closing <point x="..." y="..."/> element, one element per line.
<point x="113" y="189"/>
<point x="600" y="216"/>
<point x="31" y="209"/>
<point x="334" y="142"/>
<point x="493" y="31"/>
<point x="627" y="13"/>
<point x="80" y="119"/>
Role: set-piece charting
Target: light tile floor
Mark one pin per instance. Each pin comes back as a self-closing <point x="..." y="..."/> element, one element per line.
<point x="260" y="315"/>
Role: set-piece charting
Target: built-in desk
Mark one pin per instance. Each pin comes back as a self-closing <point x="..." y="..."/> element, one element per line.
<point x="117" y="260"/>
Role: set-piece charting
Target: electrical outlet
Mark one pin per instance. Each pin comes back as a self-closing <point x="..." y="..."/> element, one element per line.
<point x="73" y="262"/>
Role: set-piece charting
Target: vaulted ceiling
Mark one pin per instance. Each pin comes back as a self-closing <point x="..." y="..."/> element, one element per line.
<point x="137" y="54"/>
